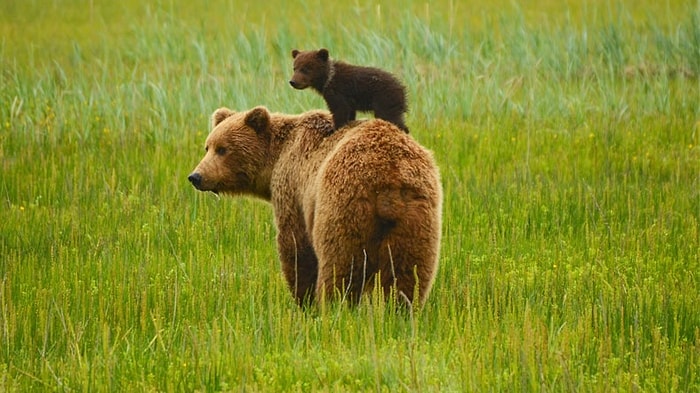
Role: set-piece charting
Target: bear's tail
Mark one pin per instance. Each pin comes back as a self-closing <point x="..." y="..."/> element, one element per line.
<point x="393" y="204"/>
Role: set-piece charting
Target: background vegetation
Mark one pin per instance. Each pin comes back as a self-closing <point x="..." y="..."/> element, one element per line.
<point x="568" y="138"/>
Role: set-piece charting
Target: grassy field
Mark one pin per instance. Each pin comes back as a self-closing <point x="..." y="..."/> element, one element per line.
<point x="568" y="136"/>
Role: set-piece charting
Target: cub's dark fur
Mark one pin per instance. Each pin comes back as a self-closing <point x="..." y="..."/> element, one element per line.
<point x="349" y="88"/>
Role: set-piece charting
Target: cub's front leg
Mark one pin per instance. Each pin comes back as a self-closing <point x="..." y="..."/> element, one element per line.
<point x="341" y="109"/>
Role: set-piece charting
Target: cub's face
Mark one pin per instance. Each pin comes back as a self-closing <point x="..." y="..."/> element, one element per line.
<point x="310" y="68"/>
<point x="235" y="152"/>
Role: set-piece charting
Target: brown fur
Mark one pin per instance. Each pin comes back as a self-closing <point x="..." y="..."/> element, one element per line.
<point x="348" y="88"/>
<point x="354" y="209"/>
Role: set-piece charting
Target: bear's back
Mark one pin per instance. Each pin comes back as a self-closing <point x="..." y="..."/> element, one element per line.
<point x="377" y="154"/>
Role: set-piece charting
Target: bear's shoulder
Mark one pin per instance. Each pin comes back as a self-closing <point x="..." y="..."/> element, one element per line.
<point x="317" y="122"/>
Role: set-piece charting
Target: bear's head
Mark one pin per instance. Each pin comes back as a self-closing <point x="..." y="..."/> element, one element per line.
<point x="311" y="68"/>
<point x="237" y="151"/>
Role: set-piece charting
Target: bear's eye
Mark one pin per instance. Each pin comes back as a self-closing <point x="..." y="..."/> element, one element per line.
<point x="220" y="150"/>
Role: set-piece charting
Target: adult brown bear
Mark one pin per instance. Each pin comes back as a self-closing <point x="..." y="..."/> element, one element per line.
<point x="354" y="208"/>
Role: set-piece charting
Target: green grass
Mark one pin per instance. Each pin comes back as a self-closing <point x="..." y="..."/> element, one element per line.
<point x="568" y="136"/>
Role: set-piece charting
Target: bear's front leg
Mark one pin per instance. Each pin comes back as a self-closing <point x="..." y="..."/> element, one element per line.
<point x="299" y="265"/>
<point x="341" y="110"/>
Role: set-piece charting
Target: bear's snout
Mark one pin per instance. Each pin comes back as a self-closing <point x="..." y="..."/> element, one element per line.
<point x="297" y="85"/>
<point x="196" y="179"/>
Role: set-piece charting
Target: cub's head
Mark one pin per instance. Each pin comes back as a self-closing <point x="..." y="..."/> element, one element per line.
<point x="311" y="68"/>
<point x="236" y="154"/>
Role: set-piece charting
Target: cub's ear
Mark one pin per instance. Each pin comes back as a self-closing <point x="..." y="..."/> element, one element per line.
<point x="220" y="115"/>
<point x="295" y="53"/>
<point x="258" y="119"/>
<point x="323" y="54"/>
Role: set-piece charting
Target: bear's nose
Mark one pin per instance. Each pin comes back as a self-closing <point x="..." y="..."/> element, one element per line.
<point x="195" y="178"/>
<point x="293" y="83"/>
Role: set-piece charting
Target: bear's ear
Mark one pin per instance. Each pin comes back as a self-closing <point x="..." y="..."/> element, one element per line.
<point x="220" y="115"/>
<point x="258" y="119"/>
<point x="295" y="53"/>
<point x="323" y="54"/>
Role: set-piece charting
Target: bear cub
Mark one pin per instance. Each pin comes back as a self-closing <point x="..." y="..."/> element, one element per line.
<point x="349" y="88"/>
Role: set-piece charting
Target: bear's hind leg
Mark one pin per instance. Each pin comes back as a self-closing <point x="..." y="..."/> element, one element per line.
<point x="345" y="243"/>
<point x="408" y="251"/>
<point x="394" y="116"/>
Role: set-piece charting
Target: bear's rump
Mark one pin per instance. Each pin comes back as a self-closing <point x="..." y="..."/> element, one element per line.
<point x="393" y="232"/>
<point x="376" y="209"/>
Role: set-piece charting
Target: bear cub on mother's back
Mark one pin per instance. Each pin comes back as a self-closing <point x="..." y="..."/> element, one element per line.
<point x="349" y="88"/>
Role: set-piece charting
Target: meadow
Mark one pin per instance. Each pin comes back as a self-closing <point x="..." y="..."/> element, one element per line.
<point x="568" y="137"/>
